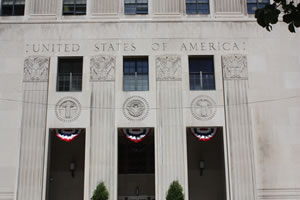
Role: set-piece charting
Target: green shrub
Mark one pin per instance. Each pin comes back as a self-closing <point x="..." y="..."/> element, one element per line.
<point x="175" y="192"/>
<point x="100" y="192"/>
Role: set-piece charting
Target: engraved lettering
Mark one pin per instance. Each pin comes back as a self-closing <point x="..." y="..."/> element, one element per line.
<point x="75" y="47"/>
<point x="183" y="47"/>
<point x="225" y="46"/>
<point x="193" y="47"/>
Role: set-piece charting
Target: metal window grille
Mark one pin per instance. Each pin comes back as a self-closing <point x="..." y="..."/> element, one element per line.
<point x="201" y="73"/>
<point x="133" y="7"/>
<point x="69" y="77"/>
<point x="253" y="5"/>
<point x="12" y="7"/>
<point x="197" y="7"/>
<point x="135" y="74"/>
<point x="69" y="82"/>
<point x="74" y="7"/>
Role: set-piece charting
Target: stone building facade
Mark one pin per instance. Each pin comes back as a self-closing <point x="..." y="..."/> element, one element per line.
<point x="250" y="99"/>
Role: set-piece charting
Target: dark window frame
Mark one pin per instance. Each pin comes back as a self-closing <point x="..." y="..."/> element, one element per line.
<point x="197" y="4"/>
<point x="69" y="79"/>
<point x="74" y="7"/>
<point x="136" y="74"/>
<point x="13" y="8"/>
<point x="138" y="7"/>
<point x="206" y="80"/>
<point x="256" y="4"/>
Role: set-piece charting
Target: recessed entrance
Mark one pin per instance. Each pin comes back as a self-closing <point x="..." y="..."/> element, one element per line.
<point x="66" y="164"/>
<point x="136" y="176"/>
<point x="206" y="169"/>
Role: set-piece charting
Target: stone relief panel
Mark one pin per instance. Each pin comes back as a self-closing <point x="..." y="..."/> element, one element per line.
<point x="67" y="109"/>
<point x="203" y="108"/>
<point x="36" y="69"/>
<point x="103" y="68"/>
<point x="168" y="68"/>
<point x="135" y="108"/>
<point x="235" y="67"/>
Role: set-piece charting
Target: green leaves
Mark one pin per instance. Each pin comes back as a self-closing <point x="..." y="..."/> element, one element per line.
<point x="175" y="192"/>
<point x="269" y="15"/>
<point x="100" y="192"/>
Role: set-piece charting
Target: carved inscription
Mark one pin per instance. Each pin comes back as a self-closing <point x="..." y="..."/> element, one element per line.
<point x="168" y="68"/>
<point x="234" y="66"/>
<point x="52" y="48"/>
<point x="203" y="108"/>
<point x="103" y="68"/>
<point x="36" y="69"/>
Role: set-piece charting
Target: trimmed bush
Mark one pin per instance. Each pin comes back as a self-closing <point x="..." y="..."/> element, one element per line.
<point x="175" y="192"/>
<point x="100" y="192"/>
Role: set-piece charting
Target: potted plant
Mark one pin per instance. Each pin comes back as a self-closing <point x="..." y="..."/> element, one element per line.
<point x="100" y="193"/>
<point x="175" y="192"/>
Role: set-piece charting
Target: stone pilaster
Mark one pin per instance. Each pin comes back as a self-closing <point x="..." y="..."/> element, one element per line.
<point x="239" y="133"/>
<point x="33" y="128"/>
<point x="102" y="144"/>
<point x="169" y="136"/>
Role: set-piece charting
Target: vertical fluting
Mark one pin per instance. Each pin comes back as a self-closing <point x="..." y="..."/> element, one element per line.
<point x="229" y="6"/>
<point x="238" y="127"/>
<point x="102" y="136"/>
<point x="105" y="7"/>
<point x="170" y="131"/>
<point x="43" y="7"/>
<point x="33" y="129"/>
<point x="102" y="143"/>
<point x="166" y="6"/>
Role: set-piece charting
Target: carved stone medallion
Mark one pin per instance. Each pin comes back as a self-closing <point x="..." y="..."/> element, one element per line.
<point x="235" y="66"/>
<point x="36" y="69"/>
<point x="135" y="108"/>
<point x="68" y="109"/>
<point x="103" y="68"/>
<point x="168" y="68"/>
<point x="203" y="108"/>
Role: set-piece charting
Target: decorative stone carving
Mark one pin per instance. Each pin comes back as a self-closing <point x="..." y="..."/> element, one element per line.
<point x="203" y="108"/>
<point x="68" y="109"/>
<point x="135" y="108"/>
<point x="103" y="68"/>
<point x="235" y="67"/>
<point x="168" y="68"/>
<point x="36" y="69"/>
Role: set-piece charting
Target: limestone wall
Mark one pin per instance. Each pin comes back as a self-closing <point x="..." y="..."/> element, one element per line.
<point x="268" y="100"/>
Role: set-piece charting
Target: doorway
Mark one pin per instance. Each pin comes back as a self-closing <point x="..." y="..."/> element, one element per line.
<point x="206" y="168"/>
<point x="136" y="168"/>
<point x="66" y="164"/>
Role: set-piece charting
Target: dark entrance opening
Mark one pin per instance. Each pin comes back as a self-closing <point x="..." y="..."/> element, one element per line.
<point x="66" y="164"/>
<point x="136" y="176"/>
<point x="206" y="168"/>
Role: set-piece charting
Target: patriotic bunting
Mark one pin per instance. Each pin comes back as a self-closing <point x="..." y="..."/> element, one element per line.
<point x="204" y="134"/>
<point x="67" y="135"/>
<point x="136" y="134"/>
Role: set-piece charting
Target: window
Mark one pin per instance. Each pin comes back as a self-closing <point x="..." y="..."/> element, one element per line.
<point x="197" y="7"/>
<point x="252" y="5"/>
<point x="135" y="74"/>
<point x="12" y="7"/>
<point x="201" y="71"/>
<point x="74" y="7"/>
<point x="133" y="7"/>
<point x="69" y="76"/>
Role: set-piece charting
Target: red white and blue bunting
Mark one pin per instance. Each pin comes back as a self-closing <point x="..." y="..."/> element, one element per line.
<point x="204" y="134"/>
<point x="67" y="135"/>
<point x="136" y="134"/>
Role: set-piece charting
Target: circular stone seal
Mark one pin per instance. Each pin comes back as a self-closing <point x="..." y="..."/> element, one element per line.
<point x="203" y="108"/>
<point x="135" y="108"/>
<point x="67" y="109"/>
